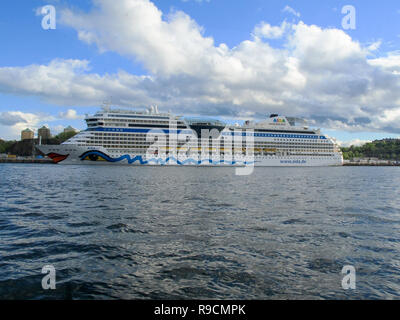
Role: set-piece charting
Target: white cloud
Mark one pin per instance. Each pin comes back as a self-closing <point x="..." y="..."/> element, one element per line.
<point x="56" y="129"/>
<point x="13" y="122"/>
<point x="355" y="142"/>
<point x="11" y="118"/>
<point x="265" y="30"/>
<point x="65" y="82"/>
<point x="70" y="114"/>
<point x="137" y="28"/>
<point x="375" y="45"/>
<point x="321" y="74"/>
<point x="291" y="10"/>
<point x="390" y="63"/>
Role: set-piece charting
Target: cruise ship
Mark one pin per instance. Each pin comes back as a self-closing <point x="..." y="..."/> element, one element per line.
<point x="149" y="137"/>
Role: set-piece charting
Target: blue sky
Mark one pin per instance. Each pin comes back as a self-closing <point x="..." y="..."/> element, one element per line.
<point x="28" y="50"/>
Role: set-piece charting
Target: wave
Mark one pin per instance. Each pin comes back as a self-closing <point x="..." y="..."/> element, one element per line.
<point x="161" y="161"/>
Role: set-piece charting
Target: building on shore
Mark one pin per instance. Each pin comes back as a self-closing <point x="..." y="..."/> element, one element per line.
<point x="27" y="134"/>
<point x="44" y="133"/>
<point x="70" y="129"/>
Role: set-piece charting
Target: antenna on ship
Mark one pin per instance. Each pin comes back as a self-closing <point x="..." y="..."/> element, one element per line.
<point x="106" y="105"/>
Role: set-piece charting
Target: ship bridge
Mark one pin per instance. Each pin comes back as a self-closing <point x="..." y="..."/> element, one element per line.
<point x="209" y="125"/>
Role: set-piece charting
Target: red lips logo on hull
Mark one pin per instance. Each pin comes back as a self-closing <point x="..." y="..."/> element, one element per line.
<point x="57" y="157"/>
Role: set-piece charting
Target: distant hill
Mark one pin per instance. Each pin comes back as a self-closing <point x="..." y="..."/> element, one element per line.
<point x="26" y="147"/>
<point x="386" y="149"/>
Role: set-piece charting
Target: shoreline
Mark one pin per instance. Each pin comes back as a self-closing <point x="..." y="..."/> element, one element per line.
<point x="370" y="165"/>
<point x="26" y="161"/>
<point x="49" y="161"/>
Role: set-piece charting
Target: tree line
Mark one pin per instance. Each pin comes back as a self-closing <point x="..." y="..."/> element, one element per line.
<point x="386" y="149"/>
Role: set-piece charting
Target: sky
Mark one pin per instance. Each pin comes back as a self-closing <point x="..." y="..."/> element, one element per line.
<point x="231" y="60"/>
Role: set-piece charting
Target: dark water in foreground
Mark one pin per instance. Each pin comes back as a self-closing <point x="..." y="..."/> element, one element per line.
<point x="200" y="233"/>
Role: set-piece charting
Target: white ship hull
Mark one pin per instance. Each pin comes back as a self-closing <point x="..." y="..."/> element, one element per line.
<point x="75" y="155"/>
<point x="121" y="137"/>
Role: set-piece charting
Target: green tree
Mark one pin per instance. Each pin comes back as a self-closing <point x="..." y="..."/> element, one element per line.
<point x="388" y="149"/>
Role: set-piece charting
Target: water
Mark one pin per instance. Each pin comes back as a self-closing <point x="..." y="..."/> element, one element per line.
<point x="199" y="233"/>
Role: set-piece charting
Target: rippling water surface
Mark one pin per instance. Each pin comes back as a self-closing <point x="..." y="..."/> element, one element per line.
<point x="198" y="233"/>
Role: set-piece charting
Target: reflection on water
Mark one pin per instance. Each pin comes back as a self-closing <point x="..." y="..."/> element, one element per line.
<point x="202" y="233"/>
